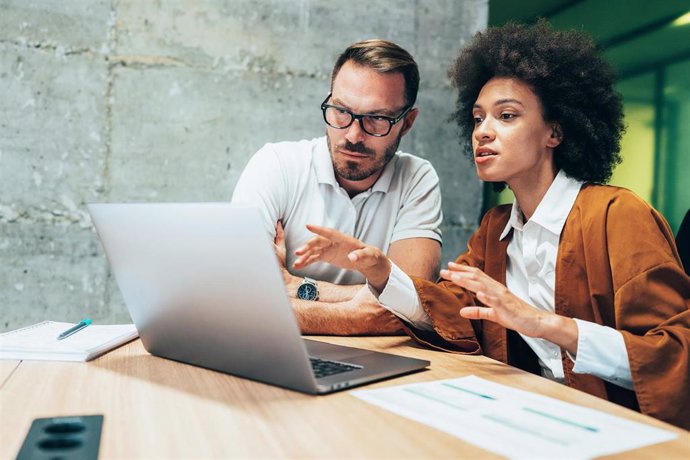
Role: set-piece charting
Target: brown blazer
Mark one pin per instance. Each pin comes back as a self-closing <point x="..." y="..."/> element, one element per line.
<point x="617" y="265"/>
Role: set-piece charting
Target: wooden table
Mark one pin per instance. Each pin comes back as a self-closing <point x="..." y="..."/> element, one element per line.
<point x="156" y="408"/>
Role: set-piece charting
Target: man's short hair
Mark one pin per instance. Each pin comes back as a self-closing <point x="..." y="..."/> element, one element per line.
<point x="383" y="57"/>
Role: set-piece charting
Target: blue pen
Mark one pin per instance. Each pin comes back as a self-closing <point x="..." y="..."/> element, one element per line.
<point x="76" y="328"/>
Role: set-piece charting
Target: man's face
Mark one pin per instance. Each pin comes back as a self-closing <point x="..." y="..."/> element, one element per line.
<point x="359" y="158"/>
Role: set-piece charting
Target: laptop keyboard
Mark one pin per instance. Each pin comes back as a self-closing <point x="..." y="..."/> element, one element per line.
<point x="324" y="368"/>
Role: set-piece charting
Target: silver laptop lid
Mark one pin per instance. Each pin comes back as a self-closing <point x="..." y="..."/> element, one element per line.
<point x="203" y="286"/>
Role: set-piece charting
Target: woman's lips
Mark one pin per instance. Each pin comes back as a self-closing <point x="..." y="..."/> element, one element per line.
<point x="484" y="155"/>
<point x="484" y="152"/>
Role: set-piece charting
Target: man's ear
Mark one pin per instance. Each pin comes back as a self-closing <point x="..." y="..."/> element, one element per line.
<point x="408" y="121"/>
<point x="556" y="136"/>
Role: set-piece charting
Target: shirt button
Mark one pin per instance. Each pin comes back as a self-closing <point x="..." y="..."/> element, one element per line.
<point x="555" y="354"/>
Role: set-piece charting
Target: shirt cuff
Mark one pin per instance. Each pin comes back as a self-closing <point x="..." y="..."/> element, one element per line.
<point x="400" y="297"/>
<point x="601" y="352"/>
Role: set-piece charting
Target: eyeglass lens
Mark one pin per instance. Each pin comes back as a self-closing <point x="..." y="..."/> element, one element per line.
<point x="339" y="118"/>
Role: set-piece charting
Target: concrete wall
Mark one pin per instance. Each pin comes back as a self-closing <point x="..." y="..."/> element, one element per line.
<point x="119" y="100"/>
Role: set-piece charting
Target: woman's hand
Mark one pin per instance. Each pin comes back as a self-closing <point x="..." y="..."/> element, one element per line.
<point x="505" y="308"/>
<point x="341" y="250"/>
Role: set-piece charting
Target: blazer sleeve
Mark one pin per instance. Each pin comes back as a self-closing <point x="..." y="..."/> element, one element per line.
<point x="652" y="308"/>
<point x="443" y="300"/>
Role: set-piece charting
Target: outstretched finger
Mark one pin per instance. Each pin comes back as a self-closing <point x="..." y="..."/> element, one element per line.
<point x="478" y="313"/>
<point x="335" y="236"/>
<point x="467" y="280"/>
<point x="306" y="260"/>
<point x="326" y="232"/>
<point x="462" y="268"/>
<point x="318" y="243"/>
<point x="473" y="272"/>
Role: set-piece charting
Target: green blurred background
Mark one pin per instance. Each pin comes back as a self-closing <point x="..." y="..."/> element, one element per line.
<point x="648" y="42"/>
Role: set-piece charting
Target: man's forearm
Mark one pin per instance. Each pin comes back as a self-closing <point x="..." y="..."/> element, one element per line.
<point x="333" y="293"/>
<point x="328" y="292"/>
<point x="344" y="318"/>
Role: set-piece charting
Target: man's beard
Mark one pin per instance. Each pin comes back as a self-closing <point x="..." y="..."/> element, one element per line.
<point x="353" y="170"/>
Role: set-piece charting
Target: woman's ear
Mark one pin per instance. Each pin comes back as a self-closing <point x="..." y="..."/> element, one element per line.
<point x="556" y="136"/>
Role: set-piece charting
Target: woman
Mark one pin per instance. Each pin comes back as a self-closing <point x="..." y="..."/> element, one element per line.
<point x="577" y="281"/>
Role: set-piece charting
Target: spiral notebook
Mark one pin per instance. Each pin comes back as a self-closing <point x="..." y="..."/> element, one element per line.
<point x="39" y="341"/>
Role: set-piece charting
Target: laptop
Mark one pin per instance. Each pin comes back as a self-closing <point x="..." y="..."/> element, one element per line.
<point x="203" y="286"/>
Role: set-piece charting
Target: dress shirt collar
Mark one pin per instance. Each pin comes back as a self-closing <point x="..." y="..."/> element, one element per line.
<point x="553" y="209"/>
<point x="325" y="174"/>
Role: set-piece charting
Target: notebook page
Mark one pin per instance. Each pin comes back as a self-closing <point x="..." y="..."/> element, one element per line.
<point x="39" y="341"/>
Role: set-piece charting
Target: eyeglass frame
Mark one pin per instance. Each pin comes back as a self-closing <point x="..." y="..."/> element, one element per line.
<point x="354" y="116"/>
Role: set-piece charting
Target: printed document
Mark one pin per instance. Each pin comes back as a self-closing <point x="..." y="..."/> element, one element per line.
<point x="512" y="422"/>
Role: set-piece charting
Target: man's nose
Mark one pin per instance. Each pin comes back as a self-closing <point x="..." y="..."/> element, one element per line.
<point x="355" y="133"/>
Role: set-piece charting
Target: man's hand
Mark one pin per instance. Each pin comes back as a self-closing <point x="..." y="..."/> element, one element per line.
<point x="362" y="315"/>
<point x="371" y="317"/>
<point x="341" y="250"/>
<point x="291" y="282"/>
<point x="505" y="308"/>
<point x="328" y="292"/>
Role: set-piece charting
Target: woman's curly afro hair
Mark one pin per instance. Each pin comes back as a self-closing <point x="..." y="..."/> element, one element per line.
<point x="567" y="73"/>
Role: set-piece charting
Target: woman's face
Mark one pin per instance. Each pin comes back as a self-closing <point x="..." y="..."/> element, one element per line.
<point x="512" y="142"/>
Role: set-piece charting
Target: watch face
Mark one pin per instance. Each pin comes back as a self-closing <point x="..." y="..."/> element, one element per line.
<point x="307" y="291"/>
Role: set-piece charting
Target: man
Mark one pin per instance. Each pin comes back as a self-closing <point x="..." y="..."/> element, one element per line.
<point x="354" y="179"/>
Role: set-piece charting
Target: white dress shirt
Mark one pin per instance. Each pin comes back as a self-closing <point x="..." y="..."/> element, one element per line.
<point x="530" y="275"/>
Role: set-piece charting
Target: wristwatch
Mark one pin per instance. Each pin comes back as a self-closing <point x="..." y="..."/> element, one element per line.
<point x="308" y="290"/>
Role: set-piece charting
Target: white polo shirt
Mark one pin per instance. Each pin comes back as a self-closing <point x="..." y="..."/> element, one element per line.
<point x="294" y="182"/>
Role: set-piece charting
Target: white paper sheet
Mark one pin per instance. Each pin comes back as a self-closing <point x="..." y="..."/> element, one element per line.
<point x="40" y="342"/>
<point x="512" y="422"/>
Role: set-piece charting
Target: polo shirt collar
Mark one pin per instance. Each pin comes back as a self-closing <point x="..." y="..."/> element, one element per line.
<point x="553" y="209"/>
<point x="323" y="164"/>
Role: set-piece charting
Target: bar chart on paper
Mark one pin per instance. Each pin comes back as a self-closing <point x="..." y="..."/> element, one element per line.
<point x="481" y="412"/>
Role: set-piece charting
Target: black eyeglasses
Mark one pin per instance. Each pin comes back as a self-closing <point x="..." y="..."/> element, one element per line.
<point x="374" y="125"/>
